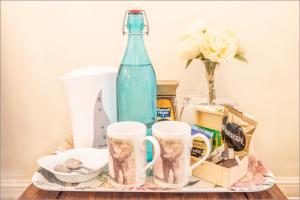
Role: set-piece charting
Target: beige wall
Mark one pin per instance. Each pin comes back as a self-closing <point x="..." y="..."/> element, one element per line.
<point x="42" y="40"/>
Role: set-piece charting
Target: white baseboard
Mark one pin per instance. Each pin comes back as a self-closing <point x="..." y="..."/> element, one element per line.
<point x="289" y="185"/>
<point x="12" y="188"/>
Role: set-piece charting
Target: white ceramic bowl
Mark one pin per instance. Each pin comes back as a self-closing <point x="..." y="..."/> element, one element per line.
<point x="92" y="158"/>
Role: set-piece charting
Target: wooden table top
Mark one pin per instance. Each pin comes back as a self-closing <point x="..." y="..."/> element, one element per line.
<point x="33" y="192"/>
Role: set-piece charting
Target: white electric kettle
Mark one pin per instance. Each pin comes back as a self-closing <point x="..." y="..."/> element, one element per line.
<point x="92" y="98"/>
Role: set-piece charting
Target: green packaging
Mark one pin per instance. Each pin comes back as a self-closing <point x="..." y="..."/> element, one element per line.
<point x="217" y="137"/>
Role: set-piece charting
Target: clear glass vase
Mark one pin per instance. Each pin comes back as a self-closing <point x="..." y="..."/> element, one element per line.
<point x="209" y="94"/>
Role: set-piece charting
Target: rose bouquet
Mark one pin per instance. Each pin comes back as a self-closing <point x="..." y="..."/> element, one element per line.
<point x="212" y="45"/>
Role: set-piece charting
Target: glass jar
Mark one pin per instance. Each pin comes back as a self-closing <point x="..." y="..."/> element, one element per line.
<point x="192" y="102"/>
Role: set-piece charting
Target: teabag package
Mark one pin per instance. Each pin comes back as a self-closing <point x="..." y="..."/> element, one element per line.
<point x="200" y="148"/>
<point x="237" y="130"/>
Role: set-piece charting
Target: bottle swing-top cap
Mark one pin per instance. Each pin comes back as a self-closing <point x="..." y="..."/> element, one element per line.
<point x="134" y="11"/>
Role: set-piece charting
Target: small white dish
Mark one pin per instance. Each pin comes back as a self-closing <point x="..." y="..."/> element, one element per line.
<point x="92" y="158"/>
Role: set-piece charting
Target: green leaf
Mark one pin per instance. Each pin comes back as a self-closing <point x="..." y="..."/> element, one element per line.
<point x="188" y="63"/>
<point x="241" y="58"/>
<point x="200" y="56"/>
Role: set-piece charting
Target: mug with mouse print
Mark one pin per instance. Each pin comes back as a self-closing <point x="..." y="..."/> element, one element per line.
<point x="127" y="153"/>
<point x="172" y="169"/>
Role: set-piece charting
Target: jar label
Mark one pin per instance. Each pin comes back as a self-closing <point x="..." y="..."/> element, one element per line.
<point x="164" y="112"/>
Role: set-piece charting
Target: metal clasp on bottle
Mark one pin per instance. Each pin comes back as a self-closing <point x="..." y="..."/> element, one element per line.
<point x="124" y="27"/>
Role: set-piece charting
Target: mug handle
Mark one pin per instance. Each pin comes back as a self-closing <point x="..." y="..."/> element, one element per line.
<point x="205" y="156"/>
<point x="156" y="150"/>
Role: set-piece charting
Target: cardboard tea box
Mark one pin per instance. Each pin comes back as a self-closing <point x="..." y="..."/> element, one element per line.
<point x="225" y="174"/>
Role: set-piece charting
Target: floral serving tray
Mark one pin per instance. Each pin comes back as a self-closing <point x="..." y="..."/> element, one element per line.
<point x="258" y="179"/>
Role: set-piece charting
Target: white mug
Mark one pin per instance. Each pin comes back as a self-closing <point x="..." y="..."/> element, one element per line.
<point x="173" y="169"/>
<point x="127" y="153"/>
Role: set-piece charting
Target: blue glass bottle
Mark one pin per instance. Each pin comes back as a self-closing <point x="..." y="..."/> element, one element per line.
<point x="136" y="81"/>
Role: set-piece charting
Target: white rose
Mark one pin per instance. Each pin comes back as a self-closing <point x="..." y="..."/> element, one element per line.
<point x="219" y="44"/>
<point x="189" y="48"/>
<point x="196" y="27"/>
